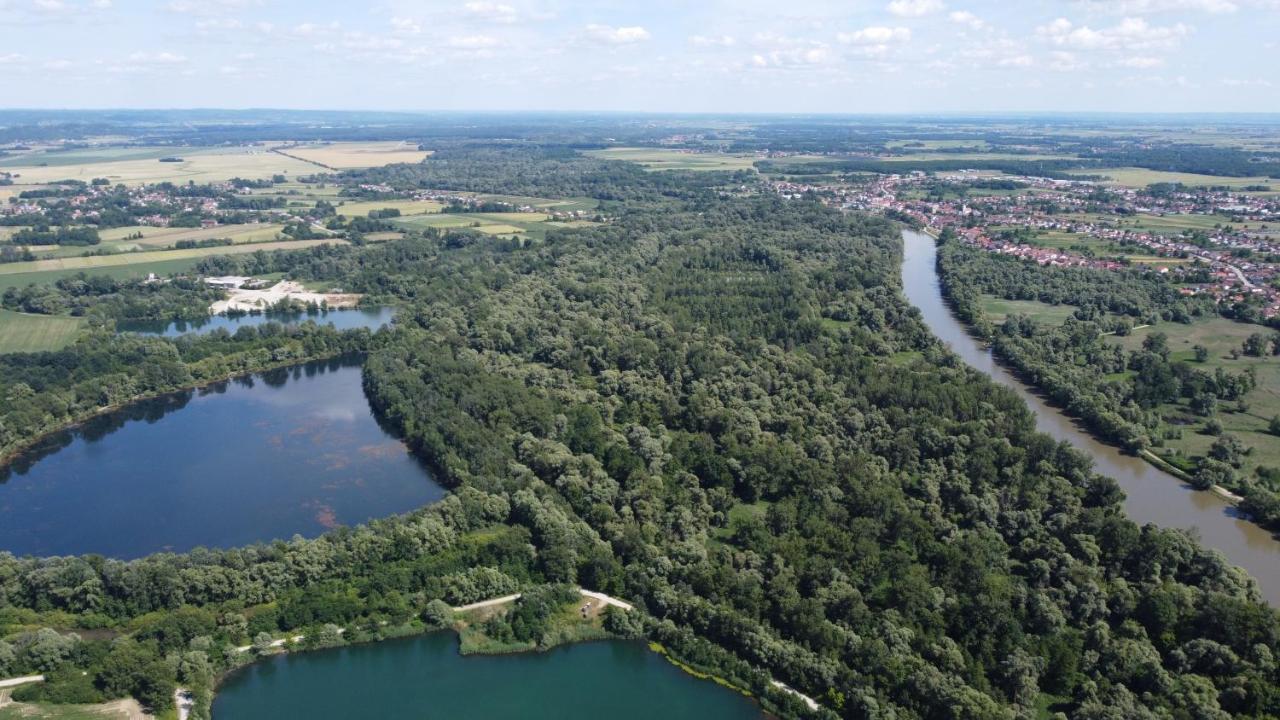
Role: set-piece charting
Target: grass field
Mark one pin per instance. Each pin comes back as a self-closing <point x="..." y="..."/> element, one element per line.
<point x="1221" y="336"/>
<point x="131" y="265"/>
<point x="997" y="309"/>
<point x="406" y="207"/>
<point x="136" y="166"/>
<point x="20" y="332"/>
<point x="664" y="159"/>
<point x="1141" y="177"/>
<point x="347" y="155"/>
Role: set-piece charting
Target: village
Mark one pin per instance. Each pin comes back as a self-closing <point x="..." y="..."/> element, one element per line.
<point x="1219" y="241"/>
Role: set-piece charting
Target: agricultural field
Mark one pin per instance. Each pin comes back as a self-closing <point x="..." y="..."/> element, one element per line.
<point x="132" y="265"/>
<point x="20" y="332"/>
<point x="140" y="165"/>
<point x="1141" y="177"/>
<point x="666" y="159"/>
<point x="406" y="207"/>
<point x="353" y="155"/>
<point x="156" y="237"/>
<point x="1221" y="336"/>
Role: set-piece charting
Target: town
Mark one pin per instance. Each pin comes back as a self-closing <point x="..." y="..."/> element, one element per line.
<point x="1214" y="240"/>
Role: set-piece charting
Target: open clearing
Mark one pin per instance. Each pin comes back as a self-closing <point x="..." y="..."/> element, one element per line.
<point x="997" y="309"/>
<point x="1221" y="336"/>
<point x="350" y="155"/>
<point x="665" y="159"/>
<point x="132" y="265"/>
<point x="20" y="332"/>
<point x="530" y="225"/>
<point x="140" y="165"/>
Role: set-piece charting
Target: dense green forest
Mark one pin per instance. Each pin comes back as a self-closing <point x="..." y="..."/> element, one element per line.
<point x="718" y="407"/>
<point x="1119" y="395"/>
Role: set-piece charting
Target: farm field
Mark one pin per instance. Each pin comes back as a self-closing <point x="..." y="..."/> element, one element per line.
<point x="130" y="265"/>
<point x="349" y="155"/>
<point x="664" y="159"/>
<point x="406" y="207"/>
<point x="1221" y="336"/>
<point x="20" y="332"/>
<point x="1141" y="177"/>
<point x="137" y="166"/>
<point x="157" y="237"/>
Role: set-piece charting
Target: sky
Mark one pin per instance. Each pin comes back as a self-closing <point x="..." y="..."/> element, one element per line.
<point x="777" y="56"/>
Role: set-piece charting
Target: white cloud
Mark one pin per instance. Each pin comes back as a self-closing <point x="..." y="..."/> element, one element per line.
<point x="57" y="64"/>
<point x="160" y="58"/>
<point x="1142" y="62"/>
<point x="1148" y="7"/>
<point x="491" y="11"/>
<point x="1016" y="61"/>
<point x="405" y="26"/>
<point x="968" y="19"/>
<point x="208" y="7"/>
<point x="1129" y="34"/>
<point x="1256" y="82"/>
<point x="705" y="41"/>
<point x="915" y="8"/>
<point x="876" y="35"/>
<point x="473" y="42"/>
<point x="616" y="35"/>
<point x="11" y="58"/>
<point x="1063" y="61"/>
<point x="780" y="51"/>
<point x="50" y="6"/>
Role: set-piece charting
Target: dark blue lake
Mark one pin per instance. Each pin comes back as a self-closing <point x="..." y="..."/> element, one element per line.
<point x="293" y="451"/>
<point x="425" y="678"/>
<point x="372" y="318"/>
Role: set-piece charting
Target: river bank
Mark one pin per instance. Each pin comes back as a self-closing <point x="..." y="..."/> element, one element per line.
<point x="1151" y="495"/>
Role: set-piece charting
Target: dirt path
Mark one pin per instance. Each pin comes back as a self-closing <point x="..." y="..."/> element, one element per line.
<point x="13" y="682"/>
<point x="488" y="603"/>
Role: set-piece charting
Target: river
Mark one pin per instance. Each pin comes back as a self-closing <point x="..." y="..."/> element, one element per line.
<point x="1152" y="496"/>
<point x="425" y="677"/>
<point x="372" y="318"/>
<point x="291" y="451"/>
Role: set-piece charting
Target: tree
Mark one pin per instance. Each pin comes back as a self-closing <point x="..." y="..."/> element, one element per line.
<point x="437" y="613"/>
<point x="1213" y="472"/>
<point x="1201" y="353"/>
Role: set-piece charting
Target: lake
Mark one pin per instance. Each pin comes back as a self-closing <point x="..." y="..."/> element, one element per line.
<point x="425" y="678"/>
<point x="1151" y="495"/>
<point x="292" y="451"/>
<point x="372" y="318"/>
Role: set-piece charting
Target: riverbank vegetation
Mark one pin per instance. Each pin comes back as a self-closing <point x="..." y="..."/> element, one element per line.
<point x="719" y="407"/>
<point x="1140" y="364"/>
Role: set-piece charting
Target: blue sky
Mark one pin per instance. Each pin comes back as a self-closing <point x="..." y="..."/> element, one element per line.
<point x="850" y="56"/>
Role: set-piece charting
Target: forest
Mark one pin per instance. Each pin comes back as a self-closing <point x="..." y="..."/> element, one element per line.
<point x="719" y="406"/>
